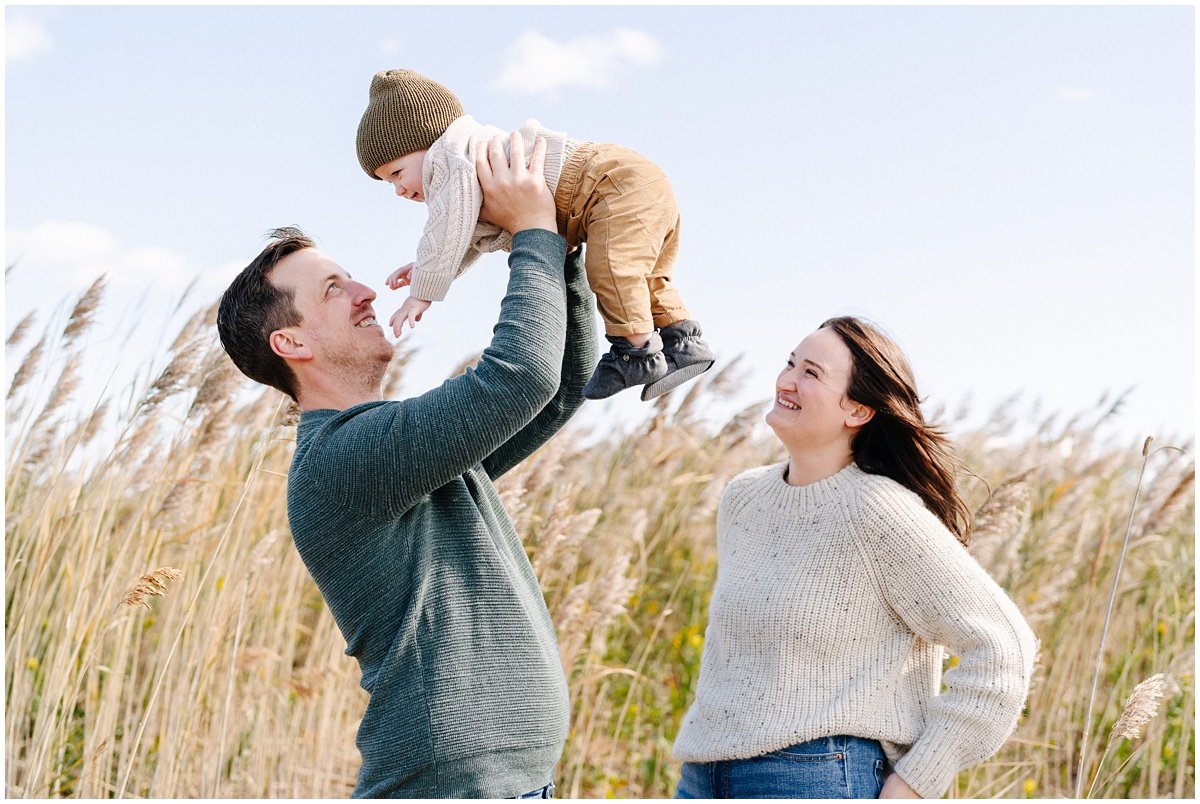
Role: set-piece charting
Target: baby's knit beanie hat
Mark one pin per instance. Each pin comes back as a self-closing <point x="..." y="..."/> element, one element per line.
<point x="407" y="112"/>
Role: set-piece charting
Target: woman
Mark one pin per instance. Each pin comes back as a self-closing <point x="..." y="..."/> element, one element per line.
<point x="841" y="574"/>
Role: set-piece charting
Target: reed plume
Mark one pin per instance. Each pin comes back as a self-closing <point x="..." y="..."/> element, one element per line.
<point x="68" y="383"/>
<point x="291" y="415"/>
<point x="1140" y="709"/>
<point x="19" y="331"/>
<point x="218" y="378"/>
<point x="84" y="313"/>
<point x="28" y="368"/>
<point x="1176" y="500"/>
<point x="177" y="374"/>
<point x="469" y="362"/>
<point x="152" y="584"/>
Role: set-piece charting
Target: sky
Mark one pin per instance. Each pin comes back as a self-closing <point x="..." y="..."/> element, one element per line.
<point x="1008" y="191"/>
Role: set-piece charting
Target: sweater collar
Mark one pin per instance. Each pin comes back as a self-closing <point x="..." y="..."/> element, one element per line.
<point x="835" y="485"/>
<point x="313" y="420"/>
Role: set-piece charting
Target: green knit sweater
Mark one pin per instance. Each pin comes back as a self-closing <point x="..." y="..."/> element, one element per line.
<point x="393" y="510"/>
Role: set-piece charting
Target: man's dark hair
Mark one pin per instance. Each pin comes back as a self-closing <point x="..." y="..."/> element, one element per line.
<point x="252" y="308"/>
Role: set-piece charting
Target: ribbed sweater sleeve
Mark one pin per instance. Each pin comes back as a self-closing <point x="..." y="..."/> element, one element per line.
<point x="940" y="592"/>
<point x="579" y="360"/>
<point x="382" y="461"/>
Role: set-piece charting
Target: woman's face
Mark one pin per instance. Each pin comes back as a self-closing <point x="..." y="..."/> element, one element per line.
<point x="811" y="408"/>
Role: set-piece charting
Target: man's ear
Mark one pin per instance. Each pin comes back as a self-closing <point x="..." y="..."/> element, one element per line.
<point x="287" y="344"/>
<point x="859" y="415"/>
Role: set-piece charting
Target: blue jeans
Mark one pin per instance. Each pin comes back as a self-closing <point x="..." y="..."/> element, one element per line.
<point x="829" y="767"/>
<point x="541" y="792"/>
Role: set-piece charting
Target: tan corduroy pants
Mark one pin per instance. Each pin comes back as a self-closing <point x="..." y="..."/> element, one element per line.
<point x="621" y="204"/>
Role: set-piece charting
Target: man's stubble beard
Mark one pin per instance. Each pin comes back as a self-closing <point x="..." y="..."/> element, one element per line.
<point x="360" y="372"/>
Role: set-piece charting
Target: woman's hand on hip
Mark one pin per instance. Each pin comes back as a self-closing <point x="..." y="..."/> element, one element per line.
<point x="895" y="787"/>
<point x="515" y="196"/>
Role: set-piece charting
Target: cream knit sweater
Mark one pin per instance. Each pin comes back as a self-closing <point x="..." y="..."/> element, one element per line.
<point x="454" y="237"/>
<point x="831" y="605"/>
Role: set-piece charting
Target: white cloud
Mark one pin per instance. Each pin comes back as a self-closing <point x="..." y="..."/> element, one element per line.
<point x="71" y="254"/>
<point x="23" y="39"/>
<point x="390" y="45"/>
<point x="1076" y="94"/>
<point x="536" y="64"/>
<point x="55" y="244"/>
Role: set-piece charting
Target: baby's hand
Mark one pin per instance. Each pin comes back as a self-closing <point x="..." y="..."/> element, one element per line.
<point x="400" y="277"/>
<point x="411" y="311"/>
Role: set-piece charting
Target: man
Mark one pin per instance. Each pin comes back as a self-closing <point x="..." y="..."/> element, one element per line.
<point x="392" y="506"/>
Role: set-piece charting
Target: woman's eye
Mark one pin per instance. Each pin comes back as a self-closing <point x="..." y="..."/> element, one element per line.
<point x="811" y="373"/>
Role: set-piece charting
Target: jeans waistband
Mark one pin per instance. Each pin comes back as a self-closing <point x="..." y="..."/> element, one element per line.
<point x="541" y="792"/>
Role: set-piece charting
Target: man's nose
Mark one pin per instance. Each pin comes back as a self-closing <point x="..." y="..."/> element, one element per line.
<point x="363" y="294"/>
<point x="400" y="191"/>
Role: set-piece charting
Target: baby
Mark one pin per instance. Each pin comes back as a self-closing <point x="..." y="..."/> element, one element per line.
<point x="416" y="136"/>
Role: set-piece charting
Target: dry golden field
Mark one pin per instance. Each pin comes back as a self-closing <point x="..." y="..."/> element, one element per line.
<point x="162" y="638"/>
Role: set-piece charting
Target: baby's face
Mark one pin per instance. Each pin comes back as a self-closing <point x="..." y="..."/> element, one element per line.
<point x="405" y="175"/>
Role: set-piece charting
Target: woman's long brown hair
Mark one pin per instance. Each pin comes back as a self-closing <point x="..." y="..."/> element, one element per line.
<point x="898" y="442"/>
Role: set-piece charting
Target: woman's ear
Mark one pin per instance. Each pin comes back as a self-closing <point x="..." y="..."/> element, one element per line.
<point x="287" y="344"/>
<point x="859" y="415"/>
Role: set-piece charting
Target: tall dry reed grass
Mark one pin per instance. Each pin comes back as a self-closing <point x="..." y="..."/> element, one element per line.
<point x="163" y="639"/>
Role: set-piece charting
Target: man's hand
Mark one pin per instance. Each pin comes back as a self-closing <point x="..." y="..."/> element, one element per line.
<point x="895" y="787"/>
<point x="515" y="197"/>
<point x="400" y="277"/>
<point x="411" y="311"/>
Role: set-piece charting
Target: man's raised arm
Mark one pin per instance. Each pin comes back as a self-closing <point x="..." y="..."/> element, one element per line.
<point x="579" y="360"/>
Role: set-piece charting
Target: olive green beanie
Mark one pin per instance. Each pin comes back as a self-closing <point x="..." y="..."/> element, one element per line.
<point x="407" y="112"/>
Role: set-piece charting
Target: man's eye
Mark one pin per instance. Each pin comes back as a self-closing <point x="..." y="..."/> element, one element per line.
<point x="810" y="372"/>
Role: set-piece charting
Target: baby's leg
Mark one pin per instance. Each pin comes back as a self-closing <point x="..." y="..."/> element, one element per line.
<point x="618" y="265"/>
<point x="633" y="239"/>
<point x="632" y="224"/>
<point x="666" y="306"/>
<point x="687" y="354"/>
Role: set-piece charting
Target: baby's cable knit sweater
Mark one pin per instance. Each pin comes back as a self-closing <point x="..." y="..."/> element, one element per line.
<point x="830" y="610"/>
<point x="454" y="237"/>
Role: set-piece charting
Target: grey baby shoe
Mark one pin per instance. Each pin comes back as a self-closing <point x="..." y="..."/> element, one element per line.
<point x="688" y="356"/>
<point x="625" y="365"/>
